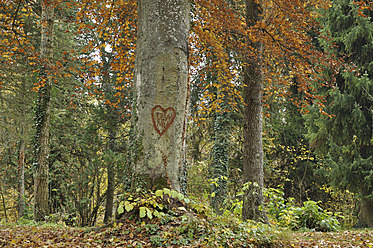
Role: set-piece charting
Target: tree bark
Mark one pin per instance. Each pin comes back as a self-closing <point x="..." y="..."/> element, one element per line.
<point x="252" y="129"/>
<point x="42" y="115"/>
<point x="21" y="156"/>
<point x="161" y="79"/>
<point x="110" y="176"/>
<point x="4" y="206"/>
<point x="111" y="119"/>
<point x="21" y="164"/>
<point x="220" y="154"/>
<point x="366" y="209"/>
<point x="366" y="212"/>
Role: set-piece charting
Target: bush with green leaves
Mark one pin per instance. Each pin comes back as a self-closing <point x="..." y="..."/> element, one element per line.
<point x="311" y="215"/>
<point x="284" y="213"/>
<point x="153" y="204"/>
<point x="168" y="221"/>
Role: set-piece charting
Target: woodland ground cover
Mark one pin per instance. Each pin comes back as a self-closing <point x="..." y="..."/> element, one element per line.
<point x="137" y="235"/>
<point x="166" y="218"/>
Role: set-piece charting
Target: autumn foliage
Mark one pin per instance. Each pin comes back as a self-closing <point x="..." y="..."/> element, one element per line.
<point x="291" y="52"/>
<point x="109" y="27"/>
<point x="219" y="39"/>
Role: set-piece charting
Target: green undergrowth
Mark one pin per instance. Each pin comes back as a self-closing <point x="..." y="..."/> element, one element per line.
<point x="307" y="217"/>
<point x="165" y="218"/>
<point x="155" y="234"/>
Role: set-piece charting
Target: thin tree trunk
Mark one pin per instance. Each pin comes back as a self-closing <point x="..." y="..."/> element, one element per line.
<point x="110" y="194"/>
<point x="220" y="154"/>
<point x="42" y="116"/>
<point x="110" y="178"/>
<point x="252" y="128"/>
<point x="161" y="79"/>
<point x="111" y="126"/>
<point x="21" y="156"/>
<point x="21" y="164"/>
<point x="4" y="206"/>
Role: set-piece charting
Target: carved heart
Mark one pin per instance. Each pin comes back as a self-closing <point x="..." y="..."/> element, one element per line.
<point x="162" y="118"/>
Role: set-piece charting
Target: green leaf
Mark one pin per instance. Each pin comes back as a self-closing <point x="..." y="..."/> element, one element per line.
<point x="174" y="194"/>
<point x="142" y="212"/>
<point x="213" y="194"/>
<point x="180" y="196"/>
<point x="167" y="191"/>
<point x="159" y="192"/>
<point x="149" y="213"/>
<point x="120" y="209"/>
<point x="129" y="206"/>
<point x="156" y="214"/>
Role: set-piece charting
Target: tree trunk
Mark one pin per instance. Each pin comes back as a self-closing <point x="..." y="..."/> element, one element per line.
<point x="161" y="79"/>
<point x="220" y="154"/>
<point x="366" y="212"/>
<point x="21" y="164"/>
<point x="21" y="155"/>
<point x="42" y="115"/>
<point x="111" y="119"/>
<point x="110" y="192"/>
<point x="110" y="176"/>
<point x="252" y="128"/>
<point x="3" y="200"/>
<point x="366" y="209"/>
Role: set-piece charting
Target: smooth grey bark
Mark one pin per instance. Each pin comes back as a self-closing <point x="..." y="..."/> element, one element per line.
<point x="42" y="116"/>
<point x="252" y="173"/>
<point x="161" y="84"/>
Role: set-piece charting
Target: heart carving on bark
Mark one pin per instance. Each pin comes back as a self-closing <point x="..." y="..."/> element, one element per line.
<point x="162" y="118"/>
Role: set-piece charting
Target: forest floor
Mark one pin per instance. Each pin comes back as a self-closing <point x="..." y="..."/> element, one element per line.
<point x="133" y="235"/>
<point x="348" y="238"/>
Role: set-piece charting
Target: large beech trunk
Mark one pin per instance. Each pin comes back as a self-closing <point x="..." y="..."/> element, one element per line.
<point x="42" y="116"/>
<point x="161" y="78"/>
<point x="252" y="129"/>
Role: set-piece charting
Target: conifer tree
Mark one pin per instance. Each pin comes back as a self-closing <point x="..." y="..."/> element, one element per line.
<point x="346" y="139"/>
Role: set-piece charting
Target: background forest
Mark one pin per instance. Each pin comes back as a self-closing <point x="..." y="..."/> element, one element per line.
<point x="316" y="59"/>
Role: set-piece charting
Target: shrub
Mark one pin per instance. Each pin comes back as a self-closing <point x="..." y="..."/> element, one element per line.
<point x="309" y="216"/>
